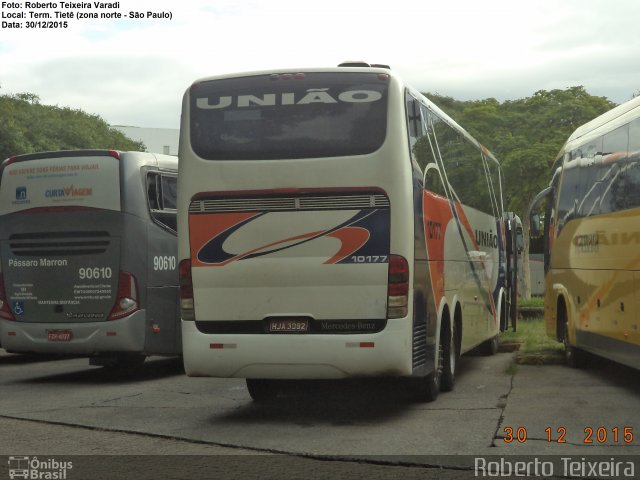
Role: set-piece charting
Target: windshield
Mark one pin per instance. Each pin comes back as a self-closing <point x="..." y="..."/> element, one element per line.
<point x="289" y="116"/>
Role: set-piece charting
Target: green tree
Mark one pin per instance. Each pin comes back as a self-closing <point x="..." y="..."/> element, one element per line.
<point x="27" y="126"/>
<point x="526" y="136"/>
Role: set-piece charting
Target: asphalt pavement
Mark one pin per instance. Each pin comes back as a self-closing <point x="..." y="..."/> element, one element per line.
<point x="497" y="409"/>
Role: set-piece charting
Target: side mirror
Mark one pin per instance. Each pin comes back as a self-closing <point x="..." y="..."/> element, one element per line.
<point x="535" y="230"/>
<point x="519" y="240"/>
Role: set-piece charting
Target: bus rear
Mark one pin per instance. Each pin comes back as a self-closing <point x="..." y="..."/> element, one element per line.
<point x="61" y="288"/>
<point x="290" y="187"/>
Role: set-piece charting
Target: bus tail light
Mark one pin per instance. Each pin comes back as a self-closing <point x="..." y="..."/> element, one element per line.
<point x="5" y="311"/>
<point x="127" y="299"/>
<point x="398" y="287"/>
<point x="186" y="290"/>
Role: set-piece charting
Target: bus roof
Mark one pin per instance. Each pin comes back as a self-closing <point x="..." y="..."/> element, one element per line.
<point x="605" y="118"/>
<point x="280" y="71"/>
<point x="162" y="161"/>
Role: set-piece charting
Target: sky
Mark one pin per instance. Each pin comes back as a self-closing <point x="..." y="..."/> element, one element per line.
<point x="135" y="71"/>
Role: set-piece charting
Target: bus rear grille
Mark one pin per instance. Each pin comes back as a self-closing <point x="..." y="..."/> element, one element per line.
<point x="58" y="243"/>
<point x="419" y="344"/>
<point x="325" y="202"/>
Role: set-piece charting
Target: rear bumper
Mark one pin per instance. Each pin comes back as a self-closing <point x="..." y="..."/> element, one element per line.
<point x="123" y="335"/>
<point x="290" y="356"/>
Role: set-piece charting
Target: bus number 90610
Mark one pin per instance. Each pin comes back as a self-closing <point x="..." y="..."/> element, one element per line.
<point x="164" y="262"/>
<point x="90" y="273"/>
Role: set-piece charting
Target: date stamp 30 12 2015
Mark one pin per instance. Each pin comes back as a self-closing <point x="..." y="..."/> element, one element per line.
<point x="589" y="435"/>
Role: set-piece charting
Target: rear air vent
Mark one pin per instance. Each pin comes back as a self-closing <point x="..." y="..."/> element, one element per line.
<point x="58" y="243"/>
<point x="272" y="204"/>
<point x="419" y="344"/>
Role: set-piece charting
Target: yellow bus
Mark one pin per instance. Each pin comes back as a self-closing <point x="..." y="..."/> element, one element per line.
<point x="334" y="223"/>
<point x="592" y="229"/>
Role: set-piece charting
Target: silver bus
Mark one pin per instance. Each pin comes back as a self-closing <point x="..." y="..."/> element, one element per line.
<point x="88" y="255"/>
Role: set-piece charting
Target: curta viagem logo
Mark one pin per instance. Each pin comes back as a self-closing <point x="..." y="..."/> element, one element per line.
<point x="70" y="191"/>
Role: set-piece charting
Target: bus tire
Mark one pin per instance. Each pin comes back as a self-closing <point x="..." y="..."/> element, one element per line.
<point x="426" y="389"/>
<point x="262" y="389"/>
<point x="450" y="356"/>
<point x="490" y="347"/>
<point x="574" y="357"/>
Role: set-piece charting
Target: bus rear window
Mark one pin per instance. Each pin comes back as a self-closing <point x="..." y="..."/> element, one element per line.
<point x="289" y="116"/>
<point x="60" y="179"/>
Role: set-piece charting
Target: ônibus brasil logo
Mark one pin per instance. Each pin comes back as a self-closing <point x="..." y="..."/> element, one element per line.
<point x="21" y="193"/>
<point x="33" y="468"/>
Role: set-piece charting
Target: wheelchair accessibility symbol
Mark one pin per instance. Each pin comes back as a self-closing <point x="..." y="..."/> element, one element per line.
<point x="18" y="307"/>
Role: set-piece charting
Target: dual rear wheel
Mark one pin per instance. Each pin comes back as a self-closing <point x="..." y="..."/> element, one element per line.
<point x="443" y="378"/>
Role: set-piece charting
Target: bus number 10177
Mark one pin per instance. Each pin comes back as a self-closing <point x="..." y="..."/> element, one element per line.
<point x="369" y="259"/>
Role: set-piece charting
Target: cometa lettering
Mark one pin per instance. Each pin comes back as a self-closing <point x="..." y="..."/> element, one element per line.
<point x="601" y="237"/>
<point x="313" y="95"/>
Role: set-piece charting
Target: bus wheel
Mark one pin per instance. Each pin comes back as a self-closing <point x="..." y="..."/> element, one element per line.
<point x="574" y="357"/>
<point x="426" y="389"/>
<point x="262" y="389"/>
<point x="490" y="347"/>
<point x="450" y="356"/>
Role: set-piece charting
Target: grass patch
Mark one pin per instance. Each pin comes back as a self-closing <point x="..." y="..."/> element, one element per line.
<point x="533" y="345"/>
<point x="533" y="302"/>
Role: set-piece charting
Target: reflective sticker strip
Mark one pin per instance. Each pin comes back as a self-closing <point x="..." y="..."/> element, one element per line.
<point x="360" y="344"/>
<point x="218" y="346"/>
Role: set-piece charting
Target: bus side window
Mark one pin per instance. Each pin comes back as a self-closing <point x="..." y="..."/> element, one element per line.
<point x="161" y="196"/>
<point x="152" y="192"/>
<point x="433" y="180"/>
<point x="621" y="182"/>
<point x="632" y="166"/>
<point x="413" y="124"/>
<point x="169" y="192"/>
<point x="570" y="191"/>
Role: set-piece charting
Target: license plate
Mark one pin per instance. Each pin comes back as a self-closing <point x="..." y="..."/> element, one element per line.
<point x="59" y="335"/>
<point x="294" y="325"/>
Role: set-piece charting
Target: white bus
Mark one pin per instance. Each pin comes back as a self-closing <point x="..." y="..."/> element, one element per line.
<point x="334" y="223"/>
<point x="88" y="249"/>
